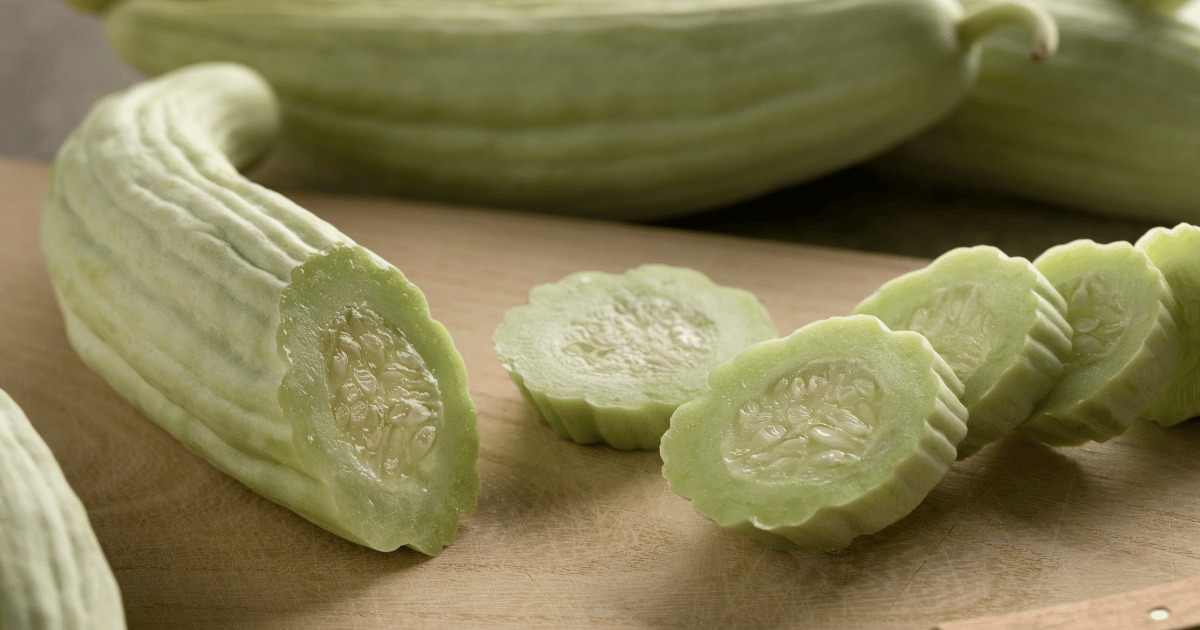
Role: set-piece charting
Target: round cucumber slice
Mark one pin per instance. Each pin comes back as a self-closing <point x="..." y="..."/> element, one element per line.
<point x="1176" y="252"/>
<point x="838" y="430"/>
<point x="1123" y="346"/>
<point x="608" y="357"/>
<point x="997" y="321"/>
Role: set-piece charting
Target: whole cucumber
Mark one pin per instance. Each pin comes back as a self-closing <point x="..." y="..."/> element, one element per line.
<point x="1109" y="125"/>
<point x="262" y="338"/>
<point x="610" y="108"/>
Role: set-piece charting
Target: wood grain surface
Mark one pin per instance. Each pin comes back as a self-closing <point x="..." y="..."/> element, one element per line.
<point x="570" y="536"/>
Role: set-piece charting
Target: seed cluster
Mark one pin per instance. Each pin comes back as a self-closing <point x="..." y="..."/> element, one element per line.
<point x="640" y="334"/>
<point x="385" y="400"/>
<point x="958" y="322"/>
<point x="1097" y="314"/>
<point x="809" y="423"/>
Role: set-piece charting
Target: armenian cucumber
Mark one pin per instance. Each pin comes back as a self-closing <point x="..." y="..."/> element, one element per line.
<point x="1176" y="252"/>
<point x="262" y="338"/>
<point x="602" y="107"/>
<point x="1110" y="124"/>
<point x="53" y="573"/>
<point x="607" y="357"/>
<point x="838" y="430"/>
<point x="998" y="322"/>
<point x="1123" y="344"/>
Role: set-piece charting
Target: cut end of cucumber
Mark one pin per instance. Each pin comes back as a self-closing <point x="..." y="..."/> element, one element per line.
<point x="386" y="404"/>
<point x="639" y="333"/>
<point x="812" y="421"/>
<point x="377" y="397"/>
<point x="1098" y="315"/>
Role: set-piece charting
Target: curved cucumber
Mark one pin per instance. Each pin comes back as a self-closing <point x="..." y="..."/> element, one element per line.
<point x="838" y="430"/>
<point x="1123" y="345"/>
<point x="996" y="320"/>
<point x="258" y="335"/>
<point x="53" y="573"/>
<point x="1176" y="252"/>
<point x="608" y="357"/>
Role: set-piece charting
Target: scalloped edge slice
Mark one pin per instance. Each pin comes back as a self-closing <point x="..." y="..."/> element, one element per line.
<point x="628" y="402"/>
<point x="815" y="505"/>
<point x="1176" y="252"/>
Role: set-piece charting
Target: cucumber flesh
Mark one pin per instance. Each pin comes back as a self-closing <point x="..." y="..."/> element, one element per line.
<point x="1176" y="252"/>
<point x="996" y="320"/>
<point x="1124" y="346"/>
<point x="608" y="357"/>
<point x="835" y="431"/>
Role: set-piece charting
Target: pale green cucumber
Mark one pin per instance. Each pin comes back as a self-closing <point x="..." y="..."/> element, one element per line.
<point x="617" y="108"/>
<point x="998" y="323"/>
<point x="258" y="335"/>
<point x="53" y="573"/>
<point x="1110" y="124"/>
<point x="607" y="357"/>
<point x="1176" y="252"/>
<point x="1123" y="345"/>
<point x="838" y="430"/>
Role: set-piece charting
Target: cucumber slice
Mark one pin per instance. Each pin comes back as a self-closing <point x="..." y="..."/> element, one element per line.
<point x="997" y="321"/>
<point x="1123" y="348"/>
<point x="1176" y="252"/>
<point x="609" y="357"/>
<point x="838" y="430"/>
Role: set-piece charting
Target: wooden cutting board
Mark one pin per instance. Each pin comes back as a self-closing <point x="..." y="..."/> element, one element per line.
<point x="570" y="536"/>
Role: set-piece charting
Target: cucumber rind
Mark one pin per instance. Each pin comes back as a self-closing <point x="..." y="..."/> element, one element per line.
<point x="886" y="486"/>
<point x="1174" y="252"/>
<point x="1123" y="387"/>
<point x="1000" y="393"/>
<point x="625" y="410"/>
<point x="53" y="572"/>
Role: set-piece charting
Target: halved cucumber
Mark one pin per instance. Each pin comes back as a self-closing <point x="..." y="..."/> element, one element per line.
<point x="997" y="321"/>
<point x="1176" y="252"/>
<point x="608" y="357"/>
<point x="258" y="335"/>
<point x="837" y="430"/>
<point x="1123" y="347"/>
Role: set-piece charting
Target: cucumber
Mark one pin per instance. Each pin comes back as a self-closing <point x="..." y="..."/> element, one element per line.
<point x="262" y="338"/>
<point x="1123" y="347"/>
<point x="53" y="573"/>
<point x="837" y="430"/>
<point x="997" y="321"/>
<point x="608" y="357"/>
<point x="1176" y="252"/>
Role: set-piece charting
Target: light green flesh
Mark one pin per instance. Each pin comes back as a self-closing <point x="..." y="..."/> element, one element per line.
<point x="608" y="357"/>
<point x="53" y="573"/>
<point x="553" y="106"/>
<point x="1176" y="253"/>
<point x="186" y="287"/>
<point x="1124" y="345"/>
<point x="836" y="431"/>
<point x="998" y="323"/>
<point x="377" y="396"/>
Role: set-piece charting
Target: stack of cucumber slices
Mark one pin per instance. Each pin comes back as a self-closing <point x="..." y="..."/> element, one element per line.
<point x="843" y="427"/>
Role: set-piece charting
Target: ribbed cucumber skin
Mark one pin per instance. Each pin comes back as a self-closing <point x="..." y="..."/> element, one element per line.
<point x="910" y="457"/>
<point x="169" y="268"/>
<point x="618" y="404"/>
<point x="1098" y="400"/>
<point x="1109" y="124"/>
<point x="53" y="573"/>
<point x="1176" y="252"/>
<point x="631" y="110"/>
<point x="1009" y="380"/>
